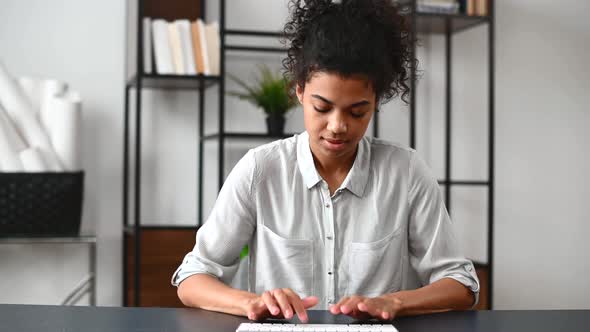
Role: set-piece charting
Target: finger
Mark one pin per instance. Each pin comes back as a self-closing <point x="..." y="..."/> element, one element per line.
<point x="335" y="308"/>
<point x="310" y="301"/>
<point x="373" y="308"/>
<point x="258" y="312"/>
<point x="350" y="305"/>
<point x="256" y="308"/>
<point x="363" y="306"/>
<point x="283" y="302"/>
<point x="271" y="304"/>
<point x="297" y="304"/>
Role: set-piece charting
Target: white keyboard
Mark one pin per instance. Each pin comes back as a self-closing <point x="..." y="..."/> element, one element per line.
<point x="270" y="327"/>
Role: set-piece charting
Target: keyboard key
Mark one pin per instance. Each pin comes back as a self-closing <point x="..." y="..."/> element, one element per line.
<point x="277" y="327"/>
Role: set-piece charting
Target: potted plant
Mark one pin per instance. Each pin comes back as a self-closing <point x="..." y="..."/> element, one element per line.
<point x="271" y="93"/>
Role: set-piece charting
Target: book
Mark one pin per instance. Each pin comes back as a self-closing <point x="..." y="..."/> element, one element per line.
<point x="204" y="48"/>
<point x="161" y="42"/>
<point x="471" y="7"/>
<point x="213" y="52"/>
<point x="147" y="45"/>
<point x="438" y="6"/>
<point x="481" y="7"/>
<point x="176" y="49"/>
<point x="197" y="52"/>
<point x="186" y="44"/>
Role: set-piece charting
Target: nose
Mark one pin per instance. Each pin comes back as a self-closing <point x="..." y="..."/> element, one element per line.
<point x="337" y="123"/>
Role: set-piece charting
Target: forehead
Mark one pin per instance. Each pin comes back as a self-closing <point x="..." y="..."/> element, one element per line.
<point x="335" y="86"/>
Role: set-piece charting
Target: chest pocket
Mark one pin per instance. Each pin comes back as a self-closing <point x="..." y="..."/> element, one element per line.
<point x="284" y="263"/>
<point x="375" y="268"/>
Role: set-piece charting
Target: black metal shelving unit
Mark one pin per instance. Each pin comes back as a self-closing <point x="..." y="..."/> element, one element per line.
<point x="449" y="25"/>
<point x="444" y="24"/>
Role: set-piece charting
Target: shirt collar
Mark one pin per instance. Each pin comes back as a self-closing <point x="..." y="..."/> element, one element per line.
<point x="357" y="177"/>
<point x="305" y="161"/>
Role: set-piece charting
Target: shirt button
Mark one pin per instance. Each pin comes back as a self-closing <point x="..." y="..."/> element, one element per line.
<point x="328" y="205"/>
<point x="469" y="268"/>
<point x="329" y="237"/>
<point x="330" y="272"/>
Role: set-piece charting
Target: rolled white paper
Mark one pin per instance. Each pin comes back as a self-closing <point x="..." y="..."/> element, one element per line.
<point x="10" y="145"/>
<point x="33" y="88"/>
<point x="50" y="88"/>
<point x="66" y="133"/>
<point x="32" y="159"/>
<point x="20" y="110"/>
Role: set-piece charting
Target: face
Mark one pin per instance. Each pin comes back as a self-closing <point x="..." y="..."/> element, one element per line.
<point x="336" y="113"/>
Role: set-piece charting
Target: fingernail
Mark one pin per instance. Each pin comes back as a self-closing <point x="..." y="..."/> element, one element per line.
<point x="289" y="314"/>
<point x="275" y="310"/>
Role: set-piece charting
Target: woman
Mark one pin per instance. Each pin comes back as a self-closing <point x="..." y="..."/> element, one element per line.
<point x="333" y="219"/>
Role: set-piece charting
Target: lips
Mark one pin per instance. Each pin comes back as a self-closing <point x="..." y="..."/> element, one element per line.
<point x="334" y="144"/>
<point x="334" y="141"/>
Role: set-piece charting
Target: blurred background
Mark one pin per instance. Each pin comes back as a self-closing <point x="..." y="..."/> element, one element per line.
<point x="540" y="214"/>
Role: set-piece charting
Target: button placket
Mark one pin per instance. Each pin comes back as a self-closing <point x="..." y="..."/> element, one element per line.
<point x="329" y="253"/>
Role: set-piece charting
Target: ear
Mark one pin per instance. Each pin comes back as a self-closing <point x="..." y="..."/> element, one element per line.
<point x="299" y="93"/>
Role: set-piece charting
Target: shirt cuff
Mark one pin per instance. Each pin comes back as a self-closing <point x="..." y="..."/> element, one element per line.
<point x="473" y="286"/>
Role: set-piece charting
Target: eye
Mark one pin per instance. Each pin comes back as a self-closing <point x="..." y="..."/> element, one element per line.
<point x="321" y="110"/>
<point x="358" y="115"/>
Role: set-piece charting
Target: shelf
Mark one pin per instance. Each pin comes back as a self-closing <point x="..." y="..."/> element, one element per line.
<point x="436" y="23"/>
<point x="255" y="49"/>
<point x="426" y="23"/>
<point x="182" y="236"/>
<point x="246" y="136"/>
<point x="464" y="183"/>
<point x="252" y="33"/>
<point x="157" y="81"/>
<point x="130" y="229"/>
<point x="43" y="240"/>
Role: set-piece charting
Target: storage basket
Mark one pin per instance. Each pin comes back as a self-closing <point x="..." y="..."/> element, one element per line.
<point x="41" y="204"/>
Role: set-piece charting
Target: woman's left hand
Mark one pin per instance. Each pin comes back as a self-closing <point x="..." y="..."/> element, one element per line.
<point x="363" y="308"/>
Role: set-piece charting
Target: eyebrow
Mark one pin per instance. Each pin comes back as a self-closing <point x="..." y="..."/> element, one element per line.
<point x="360" y="103"/>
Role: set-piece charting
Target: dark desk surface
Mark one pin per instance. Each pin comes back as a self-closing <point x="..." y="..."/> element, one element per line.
<point x="33" y="318"/>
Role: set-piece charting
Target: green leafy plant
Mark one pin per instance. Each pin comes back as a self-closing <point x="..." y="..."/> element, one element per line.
<point x="244" y="252"/>
<point x="269" y="93"/>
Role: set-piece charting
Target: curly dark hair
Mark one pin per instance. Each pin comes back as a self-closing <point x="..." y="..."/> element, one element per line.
<point x="354" y="37"/>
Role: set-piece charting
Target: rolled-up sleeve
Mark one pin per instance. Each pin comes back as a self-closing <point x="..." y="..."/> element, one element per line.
<point x="229" y="227"/>
<point x="433" y="246"/>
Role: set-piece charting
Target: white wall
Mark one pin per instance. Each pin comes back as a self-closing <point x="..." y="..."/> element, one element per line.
<point x="80" y="42"/>
<point x="542" y="213"/>
<point x="541" y="79"/>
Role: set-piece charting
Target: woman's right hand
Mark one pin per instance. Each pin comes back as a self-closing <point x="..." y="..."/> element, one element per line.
<point x="279" y="303"/>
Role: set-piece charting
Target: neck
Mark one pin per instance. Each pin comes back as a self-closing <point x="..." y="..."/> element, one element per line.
<point x="333" y="166"/>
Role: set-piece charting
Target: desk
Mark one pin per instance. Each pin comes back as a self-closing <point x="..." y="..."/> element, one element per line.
<point x="33" y="318"/>
<point x="79" y="289"/>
